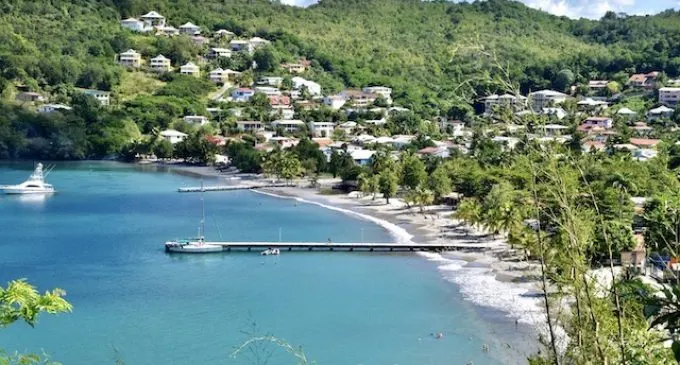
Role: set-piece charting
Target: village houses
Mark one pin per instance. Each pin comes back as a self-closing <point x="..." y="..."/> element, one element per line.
<point x="190" y="69"/>
<point x="190" y="29"/>
<point x="493" y="102"/>
<point x="669" y="95"/>
<point x="643" y="80"/>
<point x="152" y="19"/>
<point x="334" y="102"/>
<point x="321" y="129"/>
<point x="546" y="98"/>
<point x="130" y="58"/>
<point x="160" y="64"/>
<point x="51" y="108"/>
<point x="239" y="45"/>
<point x="215" y="53"/>
<point x="288" y="126"/>
<point x="134" y="25"/>
<point x="312" y="87"/>
<point x="196" y="119"/>
<point x="383" y="91"/>
<point x="173" y="136"/>
<point x="249" y="126"/>
<point x="242" y="94"/>
<point x="103" y="97"/>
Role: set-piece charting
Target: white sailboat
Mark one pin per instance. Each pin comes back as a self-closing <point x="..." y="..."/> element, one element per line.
<point x="197" y="244"/>
<point x="35" y="184"/>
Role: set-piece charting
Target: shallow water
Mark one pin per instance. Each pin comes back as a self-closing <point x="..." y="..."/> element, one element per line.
<point x="100" y="238"/>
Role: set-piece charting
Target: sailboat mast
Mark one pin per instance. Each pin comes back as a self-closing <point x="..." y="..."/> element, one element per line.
<point x="202" y="232"/>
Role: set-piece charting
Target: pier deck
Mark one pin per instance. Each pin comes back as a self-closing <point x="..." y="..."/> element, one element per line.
<point x="231" y="187"/>
<point x="348" y="247"/>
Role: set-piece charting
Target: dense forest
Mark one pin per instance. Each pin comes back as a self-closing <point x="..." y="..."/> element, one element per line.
<point x="436" y="55"/>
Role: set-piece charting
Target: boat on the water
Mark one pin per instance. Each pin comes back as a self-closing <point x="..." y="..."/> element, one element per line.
<point x="194" y="245"/>
<point x="270" y="252"/>
<point x="35" y="184"/>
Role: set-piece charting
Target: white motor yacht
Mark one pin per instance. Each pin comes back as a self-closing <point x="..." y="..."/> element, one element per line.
<point x="35" y="184"/>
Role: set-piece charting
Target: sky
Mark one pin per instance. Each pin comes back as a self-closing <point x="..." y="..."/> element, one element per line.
<point x="593" y="9"/>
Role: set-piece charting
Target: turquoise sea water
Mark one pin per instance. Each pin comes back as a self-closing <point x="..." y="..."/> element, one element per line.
<point x="100" y="238"/>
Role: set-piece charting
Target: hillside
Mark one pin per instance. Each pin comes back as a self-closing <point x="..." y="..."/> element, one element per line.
<point x="439" y="57"/>
<point x="425" y="50"/>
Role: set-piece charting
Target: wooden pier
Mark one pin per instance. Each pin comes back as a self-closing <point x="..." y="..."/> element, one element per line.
<point x="345" y="247"/>
<point x="230" y="187"/>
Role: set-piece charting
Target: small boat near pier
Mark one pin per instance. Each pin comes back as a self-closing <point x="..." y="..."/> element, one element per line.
<point x="35" y="184"/>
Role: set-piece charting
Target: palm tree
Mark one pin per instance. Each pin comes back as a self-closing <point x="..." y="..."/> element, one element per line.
<point x="469" y="210"/>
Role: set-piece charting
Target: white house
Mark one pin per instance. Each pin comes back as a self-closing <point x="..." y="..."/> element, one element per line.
<point x="275" y="81"/>
<point x="289" y="126"/>
<point x="223" y="33"/>
<point x="359" y="98"/>
<point x="558" y="113"/>
<point x="590" y="103"/>
<point x="160" y="64"/>
<point x="383" y="91"/>
<point x="453" y="127"/>
<point x="153" y="19"/>
<point x="321" y="129"/>
<point x="50" y="108"/>
<point x="189" y="28"/>
<point x="506" y="143"/>
<point x="553" y="130"/>
<point x="218" y="76"/>
<point x="173" y="136"/>
<point x="546" y="98"/>
<point x="362" y="157"/>
<point x="312" y="87"/>
<point x="669" y="95"/>
<point x="130" y="58"/>
<point x="256" y="42"/>
<point x="240" y="45"/>
<point x="167" y="30"/>
<point x="626" y="112"/>
<point x="492" y="102"/>
<point x="283" y="111"/>
<point x="190" y="69"/>
<point x="334" y="102"/>
<point x="376" y="122"/>
<point x="103" y="97"/>
<point x="242" y="94"/>
<point x="250" y="126"/>
<point x="660" y="112"/>
<point x="268" y="90"/>
<point x="134" y="25"/>
<point x="219" y="53"/>
<point x="196" y="119"/>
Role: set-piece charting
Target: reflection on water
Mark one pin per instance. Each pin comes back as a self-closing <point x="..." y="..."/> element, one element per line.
<point x="38" y="199"/>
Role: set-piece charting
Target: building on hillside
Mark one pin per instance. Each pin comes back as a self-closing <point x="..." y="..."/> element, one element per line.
<point x="321" y="129"/>
<point x="597" y="85"/>
<point x="362" y="157"/>
<point x="215" y="53"/>
<point x="196" y="119"/>
<point x="592" y="122"/>
<point x="383" y="91"/>
<point x="334" y="102"/>
<point x="625" y="112"/>
<point x="436" y="151"/>
<point x="643" y="80"/>
<point x="312" y="87"/>
<point x="257" y="42"/>
<point x="103" y="97"/>
<point x="218" y="76"/>
<point x="589" y="104"/>
<point x="242" y="94"/>
<point x="30" y="96"/>
<point x="641" y="129"/>
<point x="645" y="142"/>
<point x="557" y="113"/>
<point x="167" y="30"/>
<point x="279" y="100"/>
<point x="134" y="25"/>
<point x="152" y="19"/>
<point x="455" y="128"/>
<point x="289" y="126"/>
<point x="545" y="98"/>
<point x="250" y="126"/>
<point x="173" y="136"/>
<point x="348" y="127"/>
<point x="190" y="69"/>
<point x="294" y="68"/>
<point x="281" y="111"/>
<point x="51" y="108"/>
<point x="240" y="45"/>
<point x="268" y="90"/>
<point x="223" y="33"/>
<point x="669" y="95"/>
<point x="554" y="130"/>
<point x="493" y="102"/>
<point x="506" y="143"/>
<point x="274" y="81"/>
<point x="189" y="28"/>
<point x="130" y="58"/>
<point x="660" y="113"/>
<point x="200" y="40"/>
<point x="358" y="98"/>
<point x="160" y="64"/>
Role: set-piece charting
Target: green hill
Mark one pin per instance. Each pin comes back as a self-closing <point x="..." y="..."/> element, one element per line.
<point x="434" y="54"/>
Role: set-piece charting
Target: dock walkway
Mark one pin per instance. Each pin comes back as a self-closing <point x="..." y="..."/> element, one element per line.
<point x="231" y="187"/>
<point x="348" y="247"/>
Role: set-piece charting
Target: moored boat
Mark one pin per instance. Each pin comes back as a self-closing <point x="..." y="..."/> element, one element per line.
<point x="194" y="245"/>
<point x="35" y="184"/>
